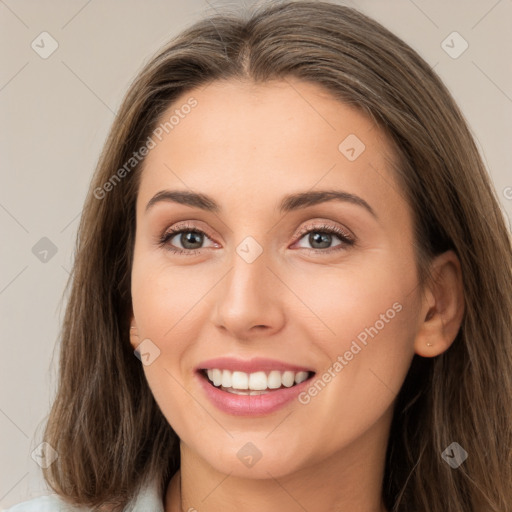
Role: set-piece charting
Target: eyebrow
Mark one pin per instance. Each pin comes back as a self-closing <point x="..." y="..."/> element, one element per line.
<point x="289" y="203"/>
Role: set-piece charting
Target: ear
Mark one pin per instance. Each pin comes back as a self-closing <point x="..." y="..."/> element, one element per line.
<point x="134" y="333"/>
<point x="442" y="307"/>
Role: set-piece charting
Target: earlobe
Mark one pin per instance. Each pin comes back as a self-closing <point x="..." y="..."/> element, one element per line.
<point x="444" y="304"/>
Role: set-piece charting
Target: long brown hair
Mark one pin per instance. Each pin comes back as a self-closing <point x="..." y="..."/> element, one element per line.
<point x="105" y="423"/>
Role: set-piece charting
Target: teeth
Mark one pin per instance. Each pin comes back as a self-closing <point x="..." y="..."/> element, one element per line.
<point x="257" y="381"/>
<point x="240" y="380"/>
<point x="274" y="380"/>
<point x="226" y="379"/>
<point x="288" y="379"/>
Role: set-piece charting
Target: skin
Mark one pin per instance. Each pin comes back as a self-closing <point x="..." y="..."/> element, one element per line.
<point x="247" y="146"/>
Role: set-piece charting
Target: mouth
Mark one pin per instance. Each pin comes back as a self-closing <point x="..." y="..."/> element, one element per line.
<point x="253" y="387"/>
<point x="254" y="383"/>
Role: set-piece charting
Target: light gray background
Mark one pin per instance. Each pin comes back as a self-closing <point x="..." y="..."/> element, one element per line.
<point x="55" y="114"/>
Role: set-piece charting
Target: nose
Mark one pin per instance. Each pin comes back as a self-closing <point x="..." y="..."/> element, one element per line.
<point x="250" y="301"/>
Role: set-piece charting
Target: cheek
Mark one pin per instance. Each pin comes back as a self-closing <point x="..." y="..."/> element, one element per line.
<point x="169" y="307"/>
<point x="350" y="301"/>
<point x="165" y="297"/>
<point x="364" y="328"/>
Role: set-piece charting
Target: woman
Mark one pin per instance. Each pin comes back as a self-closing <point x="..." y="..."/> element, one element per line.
<point x="291" y="228"/>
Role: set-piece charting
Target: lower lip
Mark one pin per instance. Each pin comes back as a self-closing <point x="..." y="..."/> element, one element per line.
<point x="250" y="405"/>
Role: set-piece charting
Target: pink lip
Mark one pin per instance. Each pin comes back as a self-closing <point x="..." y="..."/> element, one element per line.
<point x="250" y="405"/>
<point x="253" y="365"/>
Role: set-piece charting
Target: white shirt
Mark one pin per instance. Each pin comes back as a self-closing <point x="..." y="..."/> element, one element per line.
<point x="149" y="499"/>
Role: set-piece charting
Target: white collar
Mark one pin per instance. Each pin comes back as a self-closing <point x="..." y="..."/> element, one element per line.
<point x="149" y="498"/>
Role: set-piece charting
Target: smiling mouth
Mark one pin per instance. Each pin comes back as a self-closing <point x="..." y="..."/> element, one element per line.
<point x="256" y="383"/>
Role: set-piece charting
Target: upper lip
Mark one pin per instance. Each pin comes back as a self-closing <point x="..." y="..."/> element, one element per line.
<point x="250" y="365"/>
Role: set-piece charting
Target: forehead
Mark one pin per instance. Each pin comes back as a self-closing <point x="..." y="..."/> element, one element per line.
<point x="259" y="138"/>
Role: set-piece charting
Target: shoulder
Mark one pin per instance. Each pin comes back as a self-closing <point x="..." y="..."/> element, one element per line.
<point x="52" y="503"/>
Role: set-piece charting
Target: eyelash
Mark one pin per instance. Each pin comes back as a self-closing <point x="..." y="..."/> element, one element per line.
<point x="346" y="240"/>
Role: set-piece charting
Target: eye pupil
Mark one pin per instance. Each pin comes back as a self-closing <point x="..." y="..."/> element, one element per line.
<point x="322" y="238"/>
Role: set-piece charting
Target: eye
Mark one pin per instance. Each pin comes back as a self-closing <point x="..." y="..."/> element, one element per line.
<point x="320" y="237"/>
<point x="190" y="238"/>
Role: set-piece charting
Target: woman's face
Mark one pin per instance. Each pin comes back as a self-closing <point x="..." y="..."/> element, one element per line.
<point x="273" y="277"/>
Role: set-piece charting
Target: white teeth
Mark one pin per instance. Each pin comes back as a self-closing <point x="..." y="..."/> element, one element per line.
<point x="288" y="379"/>
<point x="300" y="377"/>
<point x="226" y="379"/>
<point x="240" y="380"/>
<point x="257" y="381"/>
<point x="216" y="377"/>
<point x="274" y="380"/>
